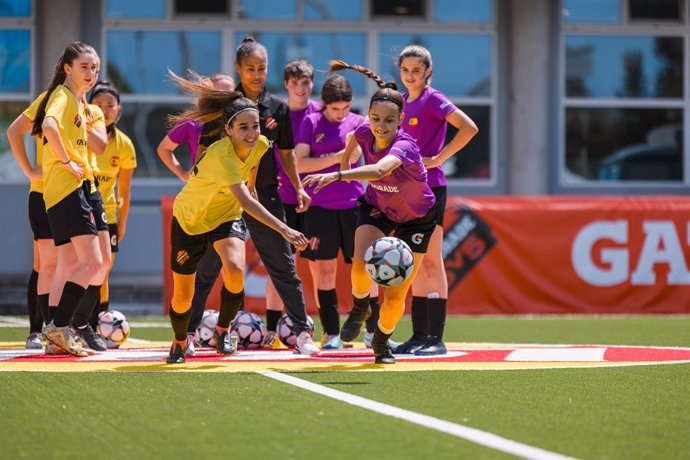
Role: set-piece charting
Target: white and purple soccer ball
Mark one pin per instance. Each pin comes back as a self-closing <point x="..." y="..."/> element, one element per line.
<point x="389" y="261"/>
<point x="113" y="327"/>
<point x="250" y="329"/>
<point x="204" y="335"/>
<point x="286" y="333"/>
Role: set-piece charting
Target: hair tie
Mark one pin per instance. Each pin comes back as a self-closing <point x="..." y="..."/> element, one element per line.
<point x="386" y="98"/>
<point x="239" y="112"/>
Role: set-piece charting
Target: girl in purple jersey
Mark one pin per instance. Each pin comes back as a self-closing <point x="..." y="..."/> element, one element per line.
<point x="398" y="201"/>
<point x="427" y="112"/>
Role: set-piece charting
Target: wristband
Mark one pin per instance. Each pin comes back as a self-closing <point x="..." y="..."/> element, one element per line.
<point x="340" y="176"/>
<point x="65" y="162"/>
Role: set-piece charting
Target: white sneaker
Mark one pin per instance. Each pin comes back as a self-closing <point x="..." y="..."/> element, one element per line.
<point x="305" y="344"/>
<point x="33" y="341"/>
<point x="190" y="351"/>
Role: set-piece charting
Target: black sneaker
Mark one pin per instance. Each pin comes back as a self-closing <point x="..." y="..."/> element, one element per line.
<point x="382" y="353"/>
<point x="433" y="346"/>
<point x="92" y="340"/>
<point x="226" y="344"/>
<point x="411" y="346"/>
<point x="177" y="354"/>
<point x="354" y="322"/>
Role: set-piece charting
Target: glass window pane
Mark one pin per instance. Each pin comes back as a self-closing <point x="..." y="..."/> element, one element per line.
<point x="474" y="162"/>
<point x="461" y="63"/>
<point x="135" y="8"/>
<point x="592" y="11"/>
<point x="454" y="11"/>
<point x="398" y="8"/>
<point x="665" y="10"/>
<point x="138" y="61"/>
<point x="201" y="7"/>
<point x="15" y="56"/>
<point x="146" y="124"/>
<point x="624" y="67"/>
<point x="9" y="169"/>
<point x="610" y="144"/>
<point x="317" y="48"/>
<point x="332" y="10"/>
<point x="15" y="8"/>
<point x="268" y="9"/>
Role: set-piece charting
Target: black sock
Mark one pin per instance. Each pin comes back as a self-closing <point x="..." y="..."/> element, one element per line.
<point x="437" y="317"/>
<point x="230" y="304"/>
<point x="72" y="294"/>
<point x="328" y="311"/>
<point x="373" y="320"/>
<point x="420" y="317"/>
<point x="179" y="323"/>
<point x="51" y="312"/>
<point x="272" y="318"/>
<point x="102" y="306"/>
<point x="35" y="316"/>
<point x="87" y="306"/>
<point x="45" y="310"/>
<point x="380" y="337"/>
<point x="361" y="304"/>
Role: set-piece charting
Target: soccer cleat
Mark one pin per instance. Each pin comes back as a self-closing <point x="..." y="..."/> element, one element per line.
<point x="226" y="344"/>
<point x="63" y="338"/>
<point x="369" y="336"/>
<point x="269" y="338"/>
<point x="53" y="350"/>
<point x="433" y="346"/>
<point x="383" y="354"/>
<point x="410" y="347"/>
<point x="353" y="323"/>
<point x="33" y="341"/>
<point x="304" y="345"/>
<point x="89" y="338"/>
<point x="177" y="354"/>
<point x="333" y="343"/>
<point x="190" y="351"/>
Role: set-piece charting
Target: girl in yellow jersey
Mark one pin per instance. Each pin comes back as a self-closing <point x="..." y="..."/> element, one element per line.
<point x="209" y="209"/>
<point x="61" y="119"/>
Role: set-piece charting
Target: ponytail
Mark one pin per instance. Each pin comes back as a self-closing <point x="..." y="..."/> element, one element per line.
<point x="388" y="90"/>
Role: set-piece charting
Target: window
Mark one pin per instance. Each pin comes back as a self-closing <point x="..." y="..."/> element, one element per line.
<point x="15" y="57"/>
<point x="333" y="10"/>
<point x="268" y="9"/>
<point x="455" y="11"/>
<point x="15" y="8"/>
<point x="135" y="8"/>
<point x="202" y="7"/>
<point x="9" y="169"/>
<point x="592" y="11"/>
<point x="661" y="10"/>
<point x="398" y="8"/>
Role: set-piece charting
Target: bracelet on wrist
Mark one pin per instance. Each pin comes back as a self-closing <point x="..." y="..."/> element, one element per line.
<point x="65" y="162"/>
<point x="340" y="176"/>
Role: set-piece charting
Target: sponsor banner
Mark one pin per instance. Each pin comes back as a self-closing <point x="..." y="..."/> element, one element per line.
<point x="532" y="255"/>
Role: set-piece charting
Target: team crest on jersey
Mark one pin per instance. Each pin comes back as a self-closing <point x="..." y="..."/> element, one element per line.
<point x="115" y="161"/>
<point x="77" y="121"/>
<point x="413" y="121"/>
<point x="270" y="123"/>
<point x="182" y="257"/>
<point x="314" y="243"/>
<point x="375" y="213"/>
<point x="320" y="137"/>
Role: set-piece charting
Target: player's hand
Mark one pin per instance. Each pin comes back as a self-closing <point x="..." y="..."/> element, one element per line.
<point x="303" y="201"/>
<point x="75" y="168"/>
<point x="320" y="180"/>
<point x="295" y="238"/>
<point x="431" y="162"/>
<point x="36" y="172"/>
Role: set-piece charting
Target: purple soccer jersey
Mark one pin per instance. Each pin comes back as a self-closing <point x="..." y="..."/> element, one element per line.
<point x="325" y="138"/>
<point x="287" y="192"/>
<point x="404" y="194"/>
<point x="425" y="121"/>
<point x="187" y="132"/>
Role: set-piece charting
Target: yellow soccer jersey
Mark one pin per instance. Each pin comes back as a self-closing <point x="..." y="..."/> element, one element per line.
<point x="98" y="122"/>
<point x="206" y="201"/>
<point x="71" y="119"/>
<point x="30" y="113"/>
<point x="119" y="154"/>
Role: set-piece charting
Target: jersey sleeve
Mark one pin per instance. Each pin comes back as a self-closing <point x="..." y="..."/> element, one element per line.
<point x="31" y="111"/>
<point x="128" y="157"/>
<point x="305" y="131"/>
<point x="56" y="107"/>
<point x="440" y="105"/>
<point x="180" y="131"/>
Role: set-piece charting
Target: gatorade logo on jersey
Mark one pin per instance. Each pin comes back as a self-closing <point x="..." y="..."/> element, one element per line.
<point x="77" y="121"/>
<point x="320" y="137"/>
<point x="114" y="161"/>
<point x="270" y="123"/>
<point x="413" y="121"/>
<point x="445" y="104"/>
<point x="182" y="257"/>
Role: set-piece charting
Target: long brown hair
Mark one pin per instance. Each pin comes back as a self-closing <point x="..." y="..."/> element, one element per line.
<point x="212" y="104"/>
<point x="388" y="90"/>
<point x="73" y="51"/>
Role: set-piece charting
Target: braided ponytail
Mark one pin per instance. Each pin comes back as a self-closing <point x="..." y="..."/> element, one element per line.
<point x="388" y="90"/>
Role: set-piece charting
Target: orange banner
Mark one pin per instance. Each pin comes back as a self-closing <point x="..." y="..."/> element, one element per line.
<point x="508" y="255"/>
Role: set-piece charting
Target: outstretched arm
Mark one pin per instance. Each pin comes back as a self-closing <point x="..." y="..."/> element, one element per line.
<point x="367" y="172"/>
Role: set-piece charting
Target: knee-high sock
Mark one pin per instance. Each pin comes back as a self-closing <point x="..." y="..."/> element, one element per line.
<point x="373" y="320"/>
<point x="179" y="323"/>
<point x="35" y="315"/>
<point x="437" y="317"/>
<point x="88" y="304"/>
<point x="328" y="311"/>
<point x="71" y="297"/>
<point x="420" y="317"/>
<point x="230" y="304"/>
<point x="272" y="318"/>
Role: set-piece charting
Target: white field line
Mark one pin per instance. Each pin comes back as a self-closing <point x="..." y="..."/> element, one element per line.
<point x="470" y="434"/>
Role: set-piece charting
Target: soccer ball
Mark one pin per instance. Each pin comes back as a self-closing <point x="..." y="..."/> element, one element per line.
<point x="113" y="327"/>
<point x="250" y="329"/>
<point x="286" y="334"/>
<point x="203" y="336"/>
<point x="389" y="261"/>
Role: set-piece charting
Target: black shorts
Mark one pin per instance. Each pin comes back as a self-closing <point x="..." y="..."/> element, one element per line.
<point x="112" y="230"/>
<point x="186" y="250"/>
<point x="416" y="232"/>
<point x="38" y="217"/>
<point x="329" y="231"/>
<point x="441" y="194"/>
<point x="99" y="211"/>
<point x="72" y="216"/>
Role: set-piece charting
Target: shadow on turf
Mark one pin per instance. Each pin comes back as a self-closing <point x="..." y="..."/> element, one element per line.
<point x="338" y="367"/>
<point x="166" y="367"/>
